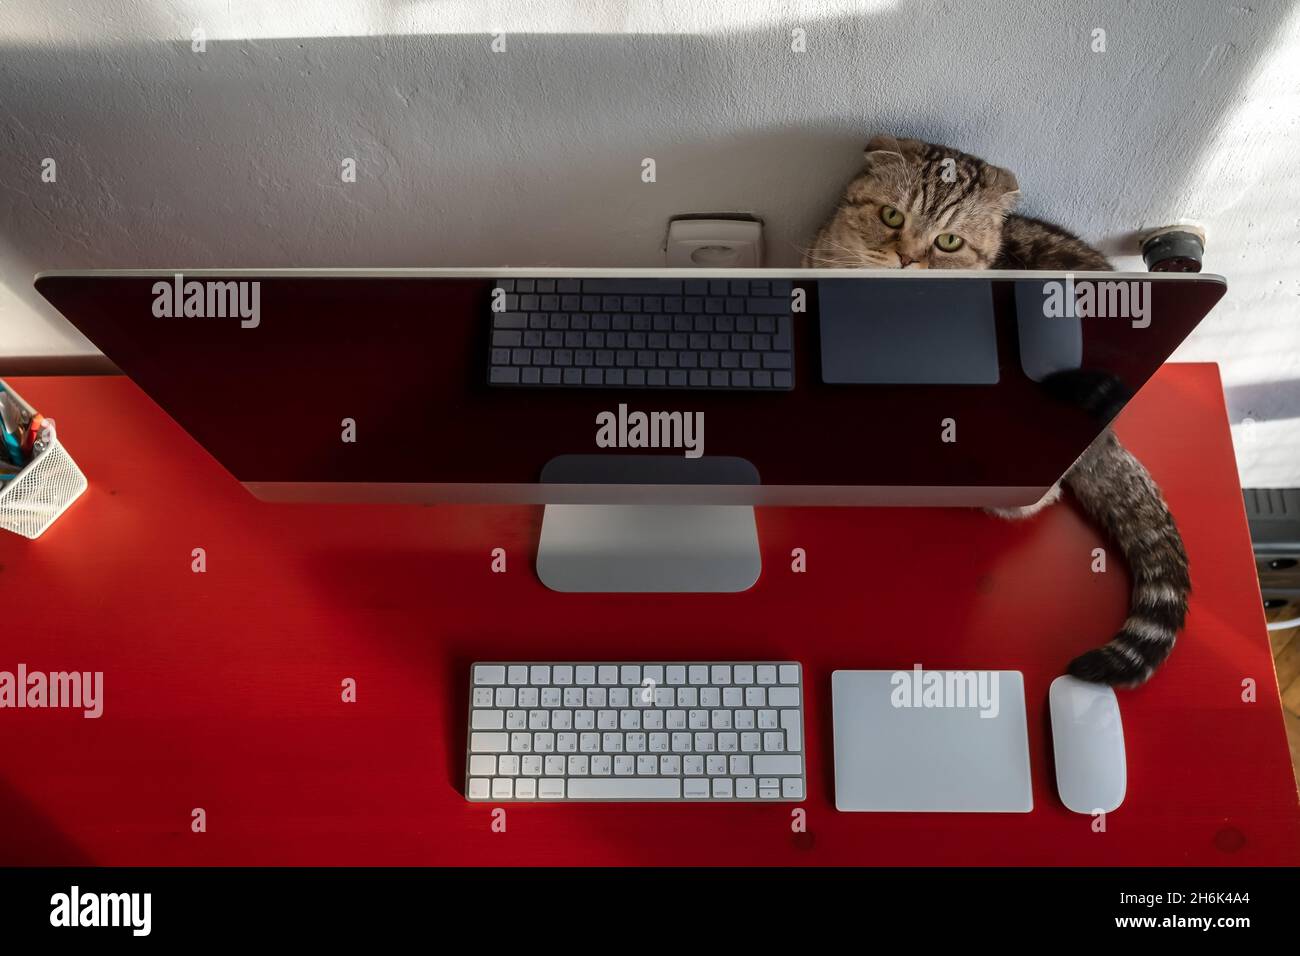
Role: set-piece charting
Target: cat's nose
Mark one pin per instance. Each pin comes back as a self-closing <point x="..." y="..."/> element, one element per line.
<point x="904" y="261"/>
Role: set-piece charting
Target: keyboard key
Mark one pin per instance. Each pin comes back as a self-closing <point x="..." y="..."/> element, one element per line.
<point x="696" y="788"/>
<point x="489" y="743"/>
<point x="489" y="674"/>
<point x="792" y="726"/>
<point x="633" y="286"/>
<point x="778" y="765"/>
<point x="627" y="788"/>
<point x="783" y="697"/>
<point x="767" y="306"/>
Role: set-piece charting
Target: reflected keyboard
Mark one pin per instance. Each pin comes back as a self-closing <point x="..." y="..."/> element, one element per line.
<point x="643" y="333"/>
<point x="710" y="731"/>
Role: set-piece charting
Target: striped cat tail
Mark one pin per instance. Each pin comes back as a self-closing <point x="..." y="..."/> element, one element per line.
<point x="1119" y="494"/>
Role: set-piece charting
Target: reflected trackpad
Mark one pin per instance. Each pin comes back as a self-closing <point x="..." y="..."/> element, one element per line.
<point x="905" y="332"/>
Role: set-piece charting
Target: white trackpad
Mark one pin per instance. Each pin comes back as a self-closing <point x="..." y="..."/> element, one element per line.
<point x="931" y="741"/>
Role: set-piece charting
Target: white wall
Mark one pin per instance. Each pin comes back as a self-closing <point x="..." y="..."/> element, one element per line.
<point x="230" y="157"/>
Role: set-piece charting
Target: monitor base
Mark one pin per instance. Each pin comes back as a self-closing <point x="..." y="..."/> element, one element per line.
<point x="649" y="548"/>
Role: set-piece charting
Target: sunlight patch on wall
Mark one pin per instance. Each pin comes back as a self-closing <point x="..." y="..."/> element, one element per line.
<point x="35" y="23"/>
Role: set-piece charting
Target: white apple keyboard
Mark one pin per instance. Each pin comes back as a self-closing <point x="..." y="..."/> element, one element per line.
<point x="718" y="731"/>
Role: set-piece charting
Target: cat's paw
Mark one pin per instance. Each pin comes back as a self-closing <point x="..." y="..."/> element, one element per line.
<point x="1020" y="514"/>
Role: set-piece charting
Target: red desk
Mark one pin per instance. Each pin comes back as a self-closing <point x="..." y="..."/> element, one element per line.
<point x="222" y="689"/>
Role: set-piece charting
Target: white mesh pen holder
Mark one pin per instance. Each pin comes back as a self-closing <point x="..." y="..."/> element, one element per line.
<point x="31" y="500"/>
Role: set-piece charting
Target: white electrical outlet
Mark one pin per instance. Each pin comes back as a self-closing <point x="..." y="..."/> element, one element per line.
<point x="715" y="243"/>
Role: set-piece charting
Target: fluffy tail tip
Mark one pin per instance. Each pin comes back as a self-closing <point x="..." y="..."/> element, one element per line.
<point x="1100" y="667"/>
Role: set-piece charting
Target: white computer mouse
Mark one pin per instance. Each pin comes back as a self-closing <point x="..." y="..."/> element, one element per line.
<point x="1091" y="770"/>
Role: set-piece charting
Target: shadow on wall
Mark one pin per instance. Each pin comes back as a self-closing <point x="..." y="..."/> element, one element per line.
<point x="233" y="157"/>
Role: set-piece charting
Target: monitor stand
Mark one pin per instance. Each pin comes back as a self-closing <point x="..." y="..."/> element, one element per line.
<point x="648" y="548"/>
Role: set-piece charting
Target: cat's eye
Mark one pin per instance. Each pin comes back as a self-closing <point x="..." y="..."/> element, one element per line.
<point x="891" y="217"/>
<point x="949" y="242"/>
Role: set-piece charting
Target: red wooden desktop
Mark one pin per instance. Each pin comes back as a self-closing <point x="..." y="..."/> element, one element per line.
<point x="223" y="689"/>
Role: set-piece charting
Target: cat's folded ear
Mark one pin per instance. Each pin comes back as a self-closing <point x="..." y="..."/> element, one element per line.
<point x="885" y="151"/>
<point x="1001" y="186"/>
<point x="883" y="144"/>
<point x="886" y="144"/>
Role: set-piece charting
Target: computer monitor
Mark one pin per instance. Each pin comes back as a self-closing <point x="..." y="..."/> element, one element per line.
<point x="640" y="388"/>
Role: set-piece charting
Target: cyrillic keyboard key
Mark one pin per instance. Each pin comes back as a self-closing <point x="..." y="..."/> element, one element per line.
<point x="790" y="723"/>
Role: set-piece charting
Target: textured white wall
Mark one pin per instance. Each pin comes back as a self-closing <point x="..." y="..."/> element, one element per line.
<point x="230" y="157"/>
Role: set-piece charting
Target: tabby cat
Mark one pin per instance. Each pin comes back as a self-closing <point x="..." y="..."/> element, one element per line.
<point x="919" y="206"/>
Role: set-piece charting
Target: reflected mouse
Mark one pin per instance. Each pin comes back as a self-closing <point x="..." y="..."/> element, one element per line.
<point x="1088" y="738"/>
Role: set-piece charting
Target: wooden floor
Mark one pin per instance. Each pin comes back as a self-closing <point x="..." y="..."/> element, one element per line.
<point x="1286" y="654"/>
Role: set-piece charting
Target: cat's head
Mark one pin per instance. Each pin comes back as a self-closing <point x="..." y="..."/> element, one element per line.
<point x="917" y="206"/>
